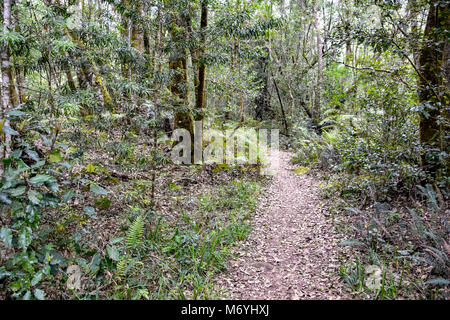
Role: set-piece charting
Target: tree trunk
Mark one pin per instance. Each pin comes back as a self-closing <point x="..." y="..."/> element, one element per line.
<point x="6" y="80"/>
<point x="70" y="80"/>
<point x="200" y="98"/>
<point x="14" y="98"/>
<point x="432" y="91"/>
<point x="107" y="101"/>
<point x="412" y="17"/>
<point x="200" y="95"/>
<point x="179" y="85"/>
<point x="316" y="110"/>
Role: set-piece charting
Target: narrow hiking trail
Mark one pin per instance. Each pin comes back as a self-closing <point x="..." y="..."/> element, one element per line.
<point x="292" y="251"/>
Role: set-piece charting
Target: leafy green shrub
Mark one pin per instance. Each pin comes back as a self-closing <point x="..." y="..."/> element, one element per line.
<point x="29" y="185"/>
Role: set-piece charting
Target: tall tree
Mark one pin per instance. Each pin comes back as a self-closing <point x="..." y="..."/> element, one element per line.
<point x="433" y="93"/>
<point x="200" y="94"/>
<point x="179" y="69"/>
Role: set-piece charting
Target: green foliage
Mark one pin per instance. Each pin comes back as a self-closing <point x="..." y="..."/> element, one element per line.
<point x="28" y="186"/>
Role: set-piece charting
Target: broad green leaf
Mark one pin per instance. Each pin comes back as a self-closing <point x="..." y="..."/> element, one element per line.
<point x="25" y="237"/>
<point x="94" y="265"/>
<point x="34" y="196"/>
<point x="10" y="131"/>
<point x="68" y="195"/>
<point x="96" y="189"/>
<point x="41" y="178"/>
<point x="113" y="253"/>
<point x="117" y="240"/>
<point x="17" y="191"/>
<point x="55" y="156"/>
<point x="37" y="278"/>
<point x="4" y="273"/>
<point x="33" y="155"/>
<point x="27" y="295"/>
<point x="22" y="166"/>
<point x="4" y="198"/>
<point x="38" y="164"/>
<point x="39" y="294"/>
<point x="6" y="236"/>
<point x="90" y="211"/>
<point x="16" y="113"/>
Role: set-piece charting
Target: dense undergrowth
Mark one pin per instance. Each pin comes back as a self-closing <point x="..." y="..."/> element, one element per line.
<point x="395" y="219"/>
<point x="98" y="214"/>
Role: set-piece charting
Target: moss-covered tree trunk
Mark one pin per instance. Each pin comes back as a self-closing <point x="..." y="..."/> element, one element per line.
<point x="179" y="83"/>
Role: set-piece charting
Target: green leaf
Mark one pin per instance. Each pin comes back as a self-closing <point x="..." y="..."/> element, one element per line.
<point x="41" y="178"/>
<point x="27" y="295"/>
<point x="7" y="162"/>
<point x="37" y="278"/>
<point x="16" y="113"/>
<point x="15" y="286"/>
<point x="68" y="195"/>
<point x="102" y="202"/>
<point x="4" y="198"/>
<point x="34" y="196"/>
<point x="113" y="253"/>
<point x="438" y="281"/>
<point x="38" y="164"/>
<point x="4" y="273"/>
<point x="6" y="236"/>
<point x="117" y="240"/>
<point x="39" y="294"/>
<point x="25" y="237"/>
<point x="55" y="156"/>
<point x="21" y="166"/>
<point x="17" y="191"/>
<point x="9" y="130"/>
<point x="94" y="265"/>
<point x="90" y="168"/>
<point x="89" y="211"/>
<point x="33" y="155"/>
<point x="352" y="243"/>
<point x="96" y="189"/>
<point x="53" y="185"/>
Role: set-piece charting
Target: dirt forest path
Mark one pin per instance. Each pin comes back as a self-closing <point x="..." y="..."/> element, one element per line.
<point x="292" y="251"/>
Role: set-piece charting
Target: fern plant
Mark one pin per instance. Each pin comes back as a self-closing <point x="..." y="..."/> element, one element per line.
<point x="135" y="233"/>
<point x="129" y="263"/>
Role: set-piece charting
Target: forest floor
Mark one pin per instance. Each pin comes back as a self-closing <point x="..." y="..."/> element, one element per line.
<point x="292" y="251"/>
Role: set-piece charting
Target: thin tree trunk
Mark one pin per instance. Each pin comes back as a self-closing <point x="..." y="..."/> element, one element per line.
<point x="14" y="98"/>
<point x="316" y="110"/>
<point x="201" y="88"/>
<point x="282" y="107"/>
<point x="412" y="16"/>
<point x="5" y="79"/>
<point x="20" y="80"/>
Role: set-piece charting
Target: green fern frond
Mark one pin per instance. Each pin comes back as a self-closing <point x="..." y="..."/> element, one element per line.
<point x="135" y="233"/>
<point x="121" y="267"/>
